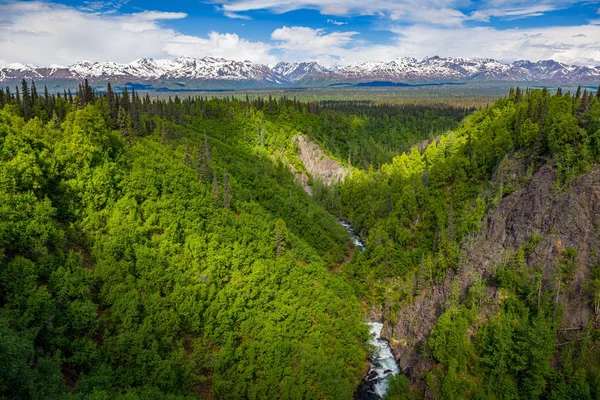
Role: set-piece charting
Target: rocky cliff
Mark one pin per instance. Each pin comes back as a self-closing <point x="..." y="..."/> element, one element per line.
<point x="537" y="215"/>
<point x="317" y="163"/>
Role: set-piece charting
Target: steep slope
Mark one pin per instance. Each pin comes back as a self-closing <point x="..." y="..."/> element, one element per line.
<point x="537" y="217"/>
<point x="433" y="69"/>
<point x="482" y="251"/>
<point x="549" y="70"/>
<point x="149" y="70"/>
<point x="240" y="73"/>
<point x="166" y="259"/>
<point x="302" y="71"/>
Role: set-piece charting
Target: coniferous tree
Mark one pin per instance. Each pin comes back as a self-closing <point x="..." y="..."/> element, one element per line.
<point x="281" y="237"/>
<point x="34" y="96"/>
<point x="46" y="96"/>
<point x="26" y="100"/>
<point x="112" y="105"/>
<point x="215" y="185"/>
<point x="136" y="112"/>
<point x="226" y="191"/>
<point x="207" y="159"/>
<point x="519" y="95"/>
<point x="201" y="161"/>
<point x="163" y="134"/>
<point x="125" y="124"/>
<point x="583" y="105"/>
<point x="124" y="102"/>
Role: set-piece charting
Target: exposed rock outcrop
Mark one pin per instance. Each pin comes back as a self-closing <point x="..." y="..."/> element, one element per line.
<point x="559" y="219"/>
<point x="318" y="164"/>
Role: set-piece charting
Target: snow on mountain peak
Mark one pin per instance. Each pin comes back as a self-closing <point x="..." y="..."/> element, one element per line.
<point x="401" y="69"/>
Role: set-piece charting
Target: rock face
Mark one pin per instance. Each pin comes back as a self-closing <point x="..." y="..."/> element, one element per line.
<point x="318" y="164"/>
<point x="244" y="73"/>
<point x="295" y="72"/>
<point x="560" y="220"/>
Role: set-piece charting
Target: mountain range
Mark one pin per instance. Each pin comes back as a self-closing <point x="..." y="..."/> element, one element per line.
<point x="213" y="72"/>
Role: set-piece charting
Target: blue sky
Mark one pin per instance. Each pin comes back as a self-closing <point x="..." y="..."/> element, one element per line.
<point x="333" y="32"/>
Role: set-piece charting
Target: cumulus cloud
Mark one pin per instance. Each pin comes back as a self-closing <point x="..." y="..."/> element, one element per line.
<point x="307" y="39"/>
<point x="46" y="33"/>
<point x="577" y="44"/>
<point x="301" y="43"/>
<point x="571" y="44"/>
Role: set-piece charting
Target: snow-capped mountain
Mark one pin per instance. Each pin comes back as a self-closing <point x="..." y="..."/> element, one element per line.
<point x="555" y="71"/>
<point x="200" y="72"/>
<point x="147" y="69"/>
<point x="295" y="72"/>
<point x="434" y="69"/>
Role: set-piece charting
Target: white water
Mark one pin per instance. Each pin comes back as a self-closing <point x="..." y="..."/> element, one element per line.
<point x="383" y="363"/>
<point x="355" y="238"/>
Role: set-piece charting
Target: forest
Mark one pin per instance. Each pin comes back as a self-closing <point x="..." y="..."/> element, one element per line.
<point x="162" y="248"/>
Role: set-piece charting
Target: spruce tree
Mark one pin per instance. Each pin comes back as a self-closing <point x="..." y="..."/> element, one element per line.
<point x="281" y="237"/>
<point x="124" y="102"/>
<point x="112" y="105"/>
<point x="519" y="95"/>
<point x="26" y="100"/>
<point x="583" y="105"/>
<point x="163" y="134"/>
<point x="125" y="124"/>
<point x="226" y="191"/>
<point x="201" y="163"/>
<point x="215" y="188"/>
<point x="34" y="94"/>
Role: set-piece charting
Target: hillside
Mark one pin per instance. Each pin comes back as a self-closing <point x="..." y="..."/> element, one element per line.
<point x="482" y="252"/>
<point x="187" y="248"/>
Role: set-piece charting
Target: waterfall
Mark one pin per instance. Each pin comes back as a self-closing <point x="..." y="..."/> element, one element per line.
<point x="382" y="362"/>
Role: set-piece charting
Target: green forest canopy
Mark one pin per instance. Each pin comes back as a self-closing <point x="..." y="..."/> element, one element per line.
<point x="162" y="248"/>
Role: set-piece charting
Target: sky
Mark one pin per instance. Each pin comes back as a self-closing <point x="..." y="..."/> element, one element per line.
<point x="332" y="32"/>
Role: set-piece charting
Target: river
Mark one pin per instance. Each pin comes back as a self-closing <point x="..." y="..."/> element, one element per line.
<point x="382" y="362"/>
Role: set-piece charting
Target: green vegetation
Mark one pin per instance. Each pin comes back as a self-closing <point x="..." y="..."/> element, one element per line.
<point x="416" y="212"/>
<point x="163" y="248"/>
<point x="142" y="258"/>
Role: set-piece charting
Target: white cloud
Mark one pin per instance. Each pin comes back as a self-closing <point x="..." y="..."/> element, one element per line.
<point x="46" y="33"/>
<point x="334" y="22"/>
<point x="231" y="14"/>
<point x="577" y="44"/>
<point x="571" y="44"/>
<point x="440" y="12"/>
<point x="98" y="6"/>
<point x="408" y="10"/>
<point x="511" y="12"/>
<point x="316" y="41"/>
